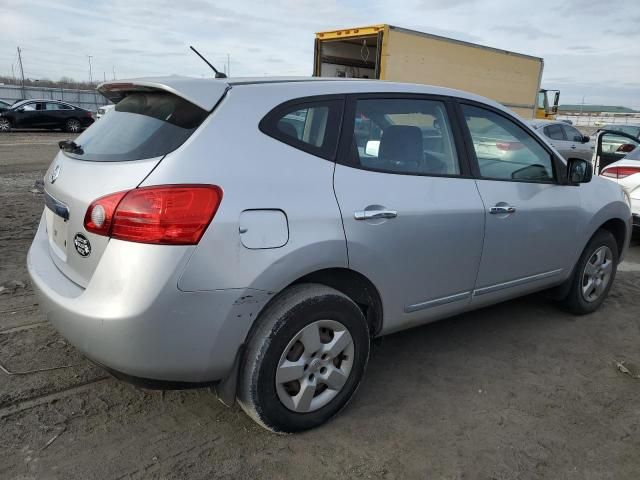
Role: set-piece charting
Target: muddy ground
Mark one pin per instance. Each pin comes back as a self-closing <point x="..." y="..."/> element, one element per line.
<point x="519" y="390"/>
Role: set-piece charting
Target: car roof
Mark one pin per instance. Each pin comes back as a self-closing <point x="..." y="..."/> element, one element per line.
<point x="205" y="92"/>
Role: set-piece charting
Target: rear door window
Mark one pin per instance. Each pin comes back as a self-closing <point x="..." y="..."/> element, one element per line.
<point x="142" y="125"/>
<point x="311" y="126"/>
<point x="404" y="135"/>
<point x="554" y="132"/>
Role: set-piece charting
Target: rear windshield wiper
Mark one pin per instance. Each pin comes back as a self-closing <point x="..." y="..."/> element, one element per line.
<point x="70" y="146"/>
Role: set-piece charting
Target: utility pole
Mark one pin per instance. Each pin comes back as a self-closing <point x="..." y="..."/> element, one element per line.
<point x="228" y="65"/>
<point x="21" y="72"/>
<point x="90" y="71"/>
<point x="114" y="72"/>
<point x="104" y="76"/>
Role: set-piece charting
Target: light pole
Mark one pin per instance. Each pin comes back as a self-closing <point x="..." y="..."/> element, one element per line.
<point x="90" y="70"/>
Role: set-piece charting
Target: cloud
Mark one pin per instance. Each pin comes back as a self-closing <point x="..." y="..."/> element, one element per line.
<point x="586" y="44"/>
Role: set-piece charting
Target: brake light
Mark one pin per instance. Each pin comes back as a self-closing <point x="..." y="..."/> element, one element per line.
<point x="166" y="215"/>
<point x="620" y="172"/>
<point x="626" y="148"/>
<point x="509" y="146"/>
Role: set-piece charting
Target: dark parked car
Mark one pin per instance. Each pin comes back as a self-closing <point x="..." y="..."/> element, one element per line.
<point x="49" y="114"/>
<point x="4" y="105"/>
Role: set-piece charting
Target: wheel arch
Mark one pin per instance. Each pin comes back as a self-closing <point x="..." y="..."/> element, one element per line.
<point x="618" y="228"/>
<point x="355" y="286"/>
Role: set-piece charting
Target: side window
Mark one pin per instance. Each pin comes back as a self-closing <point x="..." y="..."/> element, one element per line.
<point x="505" y="150"/>
<point x="573" y="135"/>
<point x="29" y="107"/>
<point x="306" y="125"/>
<point x="309" y="126"/>
<point x="41" y="106"/>
<point x="53" y="106"/>
<point x="554" y="132"/>
<point x="403" y="135"/>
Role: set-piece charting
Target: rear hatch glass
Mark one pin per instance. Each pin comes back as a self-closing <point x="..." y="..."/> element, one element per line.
<point x="142" y="125"/>
<point x="116" y="153"/>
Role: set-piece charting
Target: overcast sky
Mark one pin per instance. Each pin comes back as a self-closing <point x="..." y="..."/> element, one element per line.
<point x="590" y="47"/>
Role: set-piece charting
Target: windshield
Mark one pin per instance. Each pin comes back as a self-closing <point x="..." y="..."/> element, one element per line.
<point x="142" y="125"/>
<point x="18" y="104"/>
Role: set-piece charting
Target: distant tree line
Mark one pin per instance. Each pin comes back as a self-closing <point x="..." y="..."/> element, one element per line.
<point x="64" y="82"/>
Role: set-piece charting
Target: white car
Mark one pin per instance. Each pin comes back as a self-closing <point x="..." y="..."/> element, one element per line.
<point x="626" y="173"/>
<point x="102" y="111"/>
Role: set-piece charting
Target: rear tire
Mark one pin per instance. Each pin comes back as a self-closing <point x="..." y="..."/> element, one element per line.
<point x="593" y="276"/>
<point x="5" y="125"/>
<point x="304" y="360"/>
<point x="72" y="125"/>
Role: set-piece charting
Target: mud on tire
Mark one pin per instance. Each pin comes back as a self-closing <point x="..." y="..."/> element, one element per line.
<point x="279" y="341"/>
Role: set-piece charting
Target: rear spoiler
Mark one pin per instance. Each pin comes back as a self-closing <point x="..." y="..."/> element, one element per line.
<point x="202" y="92"/>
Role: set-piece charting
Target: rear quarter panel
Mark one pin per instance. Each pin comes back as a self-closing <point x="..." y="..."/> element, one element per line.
<point x="256" y="171"/>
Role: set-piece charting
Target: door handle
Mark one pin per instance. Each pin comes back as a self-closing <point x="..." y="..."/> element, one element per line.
<point x="374" y="214"/>
<point x="502" y="209"/>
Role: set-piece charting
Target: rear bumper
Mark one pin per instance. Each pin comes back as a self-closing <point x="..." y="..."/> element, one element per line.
<point x="133" y="319"/>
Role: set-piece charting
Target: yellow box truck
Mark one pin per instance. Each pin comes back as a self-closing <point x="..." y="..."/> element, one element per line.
<point x="392" y="53"/>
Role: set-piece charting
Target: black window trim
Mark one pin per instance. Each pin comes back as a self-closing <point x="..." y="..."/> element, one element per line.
<point x="329" y="148"/>
<point x="345" y="154"/>
<point x="559" y="167"/>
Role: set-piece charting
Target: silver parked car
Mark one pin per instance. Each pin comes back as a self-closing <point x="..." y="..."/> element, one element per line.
<point x="236" y="231"/>
<point x="566" y="139"/>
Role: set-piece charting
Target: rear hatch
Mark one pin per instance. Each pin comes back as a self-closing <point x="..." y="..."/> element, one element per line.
<point x="150" y="120"/>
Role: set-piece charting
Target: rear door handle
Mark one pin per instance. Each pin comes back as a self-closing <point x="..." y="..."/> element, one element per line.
<point x="374" y="214"/>
<point x="502" y="209"/>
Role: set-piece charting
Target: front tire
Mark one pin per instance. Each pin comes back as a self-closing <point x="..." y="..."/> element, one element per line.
<point x="304" y="360"/>
<point x="593" y="275"/>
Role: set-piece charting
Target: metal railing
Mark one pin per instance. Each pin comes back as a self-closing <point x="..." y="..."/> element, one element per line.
<point x="87" y="99"/>
<point x="599" y="119"/>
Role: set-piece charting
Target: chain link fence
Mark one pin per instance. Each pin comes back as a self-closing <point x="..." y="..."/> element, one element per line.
<point x="600" y="119"/>
<point x="87" y="99"/>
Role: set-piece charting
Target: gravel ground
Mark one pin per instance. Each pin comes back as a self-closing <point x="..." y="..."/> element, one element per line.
<point x="518" y="390"/>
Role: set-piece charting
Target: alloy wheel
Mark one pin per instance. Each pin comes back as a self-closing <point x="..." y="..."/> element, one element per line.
<point x="73" y="126"/>
<point x="314" y="366"/>
<point x="597" y="274"/>
<point x="5" y="125"/>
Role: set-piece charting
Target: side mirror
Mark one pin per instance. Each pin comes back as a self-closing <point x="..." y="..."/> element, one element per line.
<point x="372" y="147"/>
<point x="578" y="171"/>
<point x="586" y="138"/>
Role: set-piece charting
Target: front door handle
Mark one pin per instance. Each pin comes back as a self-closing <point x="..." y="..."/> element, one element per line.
<point x="502" y="209"/>
<point x="374" y="214"/>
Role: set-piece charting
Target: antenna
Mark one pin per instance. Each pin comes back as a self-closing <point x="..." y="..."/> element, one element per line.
<point x="218" y="74"/>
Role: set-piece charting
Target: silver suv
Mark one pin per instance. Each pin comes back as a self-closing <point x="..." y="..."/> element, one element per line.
<point x="257" y="234"/>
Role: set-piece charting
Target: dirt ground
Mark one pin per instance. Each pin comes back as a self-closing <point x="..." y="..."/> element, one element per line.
<point x="518" y="390"/>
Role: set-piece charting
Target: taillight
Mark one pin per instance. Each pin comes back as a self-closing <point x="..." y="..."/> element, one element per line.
<point x="626" y="148"/>
<point x="620" y="172"/>
<point x="167" y="215"/>
<point x="509" y="146"/>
